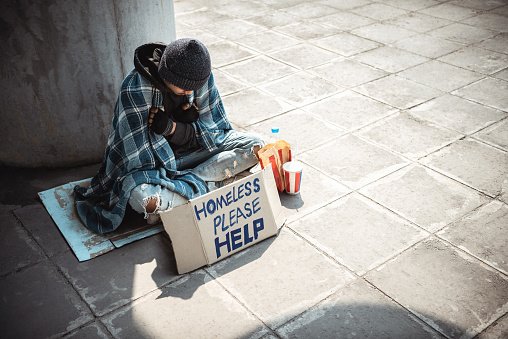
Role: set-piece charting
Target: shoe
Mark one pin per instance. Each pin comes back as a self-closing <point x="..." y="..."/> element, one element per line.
<point x="153" y="219"/>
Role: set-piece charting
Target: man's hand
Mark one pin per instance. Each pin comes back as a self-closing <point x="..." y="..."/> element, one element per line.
<point x="187" y="113"/>
<point x="159" y="122"/>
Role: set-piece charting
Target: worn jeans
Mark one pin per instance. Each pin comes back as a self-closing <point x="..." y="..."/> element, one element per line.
<point x="234" y="155"/>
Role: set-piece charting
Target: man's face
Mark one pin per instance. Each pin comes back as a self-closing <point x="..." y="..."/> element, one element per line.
<point x="177" y="90"/>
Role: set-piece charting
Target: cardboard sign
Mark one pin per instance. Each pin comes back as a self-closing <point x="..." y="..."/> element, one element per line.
<point x="216" y="225"/>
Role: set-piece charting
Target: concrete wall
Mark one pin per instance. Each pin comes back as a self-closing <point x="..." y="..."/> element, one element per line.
<point x="62" y="66"/>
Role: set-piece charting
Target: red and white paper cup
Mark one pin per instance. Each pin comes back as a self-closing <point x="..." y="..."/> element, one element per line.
<point x="292" y="176"/>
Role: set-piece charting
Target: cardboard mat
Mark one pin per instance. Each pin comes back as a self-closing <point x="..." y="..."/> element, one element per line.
<point x="85" y="244"/>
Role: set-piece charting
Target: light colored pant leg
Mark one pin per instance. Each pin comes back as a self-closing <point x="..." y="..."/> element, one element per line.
<point x="234" y="155"/>
<point x="167" y="199"/>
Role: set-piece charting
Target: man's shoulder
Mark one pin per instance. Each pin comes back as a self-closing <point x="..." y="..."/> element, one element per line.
<point x="209" y="88"/>
<point x="135" y="82"/>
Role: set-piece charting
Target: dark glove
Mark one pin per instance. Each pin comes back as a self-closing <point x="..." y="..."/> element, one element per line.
<point x="159" y="122"/>
<point x="186" y="113"/>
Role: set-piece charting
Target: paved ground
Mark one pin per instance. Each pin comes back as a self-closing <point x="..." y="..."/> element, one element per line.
<point x="399" y="108"/>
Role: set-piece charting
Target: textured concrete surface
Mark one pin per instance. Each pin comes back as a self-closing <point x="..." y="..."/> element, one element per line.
<point x="64" y="63"/>
<point x="398" y="110"/>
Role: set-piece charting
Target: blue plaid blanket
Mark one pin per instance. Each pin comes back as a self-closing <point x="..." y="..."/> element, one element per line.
<point x="135" y="155"/>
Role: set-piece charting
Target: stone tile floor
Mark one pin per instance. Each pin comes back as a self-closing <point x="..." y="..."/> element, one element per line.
<point x="398" y="109"/>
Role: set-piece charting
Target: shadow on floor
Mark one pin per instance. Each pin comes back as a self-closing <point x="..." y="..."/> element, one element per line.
<point x="21" y="185"/>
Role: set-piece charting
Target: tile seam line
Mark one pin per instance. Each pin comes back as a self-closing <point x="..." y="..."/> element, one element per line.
<point x="407" y="111"/>
<point x="481" y="77"/>
<point x="427" y="121"/>
<point x="305" y="213"/>
<point x="363" y="273"/>
<point x="316" y="305"/>
<point x="467" y="44"/>
<point x="331" y="201"/>
<point x="21" y="269"/>
<point x="464" y="45"/>
<point x="471" y="136"/>
<point x="495" y="269"/>
<point x="463" y="183"/>
<point x="240" y="302"/>
<point x="219" y="66"/>
<point x="362" y="277"/>
<point x="435" y="234"/>
<point x="342" y="265"/>
<point x="421" y="228"/>
<point x="40" y="250"/>
<point x="416" y="224"/>
<point x="388" y="114"/>
<point x="356" y="90"/>
<point x="91" y="322"/>
<point x="297" y="71"/>
<point x="104" y="313"/>
<point x="407" y="163"/>
<point x="160" y="288"/>
<point x="473" y="100"/>
<point x="292" y="110"/>
<point x="486" y="142"/>
<point x="431" y="236"/>
<point x="270" y="117"/>
<point x="130" y="302"/>
<point x="411" y="163"/>
<point x="266" y="82"/>
<point x="377" y="1"/>
<point x="438" y="330"/>
<point x="334" y="261"/>
<point x="484" y="75"/>
<point x="472" y="133"/>
<point x="336" y="57"/>
<point x="402" y="155"/>
<point x="503" y="275"/>
<point x="374" y="287"/>
<point x="489" y="325"/>
<point x="352" y="88"/>
<point x="62" y="276"/>
<point x="337" y="89"/>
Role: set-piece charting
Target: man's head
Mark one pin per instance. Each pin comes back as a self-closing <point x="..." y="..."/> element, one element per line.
<point x="185" y="65"/>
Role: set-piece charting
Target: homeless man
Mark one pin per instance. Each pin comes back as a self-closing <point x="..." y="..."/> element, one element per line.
<point x="170" y="139"/>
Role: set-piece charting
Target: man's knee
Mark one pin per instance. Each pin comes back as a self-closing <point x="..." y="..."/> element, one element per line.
<point x="152" y="204"/>
<point x="145" y="198"/>
<point x="243" y="140"/>
<point x="253" y="144"/>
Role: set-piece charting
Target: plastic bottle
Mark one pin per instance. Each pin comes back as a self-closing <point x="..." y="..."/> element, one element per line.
<point x="274" y="135"/>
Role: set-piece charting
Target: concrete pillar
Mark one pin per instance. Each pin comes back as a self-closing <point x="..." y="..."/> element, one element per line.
<point x="62" y="66"/>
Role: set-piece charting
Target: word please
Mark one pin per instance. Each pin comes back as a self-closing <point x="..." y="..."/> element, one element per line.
<point x="227" y="220"/>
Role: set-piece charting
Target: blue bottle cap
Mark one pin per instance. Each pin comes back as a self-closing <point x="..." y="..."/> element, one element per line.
<point x="275" y="130"/>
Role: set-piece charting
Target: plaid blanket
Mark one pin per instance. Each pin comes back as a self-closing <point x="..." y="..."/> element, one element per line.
<point x="135" y="155"/>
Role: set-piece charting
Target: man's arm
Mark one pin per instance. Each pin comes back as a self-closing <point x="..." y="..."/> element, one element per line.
<point x="160" y="122"/>
<point x="184" y="135"/>
<point x="176" y="133"/>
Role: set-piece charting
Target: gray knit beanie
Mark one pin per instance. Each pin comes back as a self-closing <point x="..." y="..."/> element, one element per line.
<point x="185" y="63"/>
